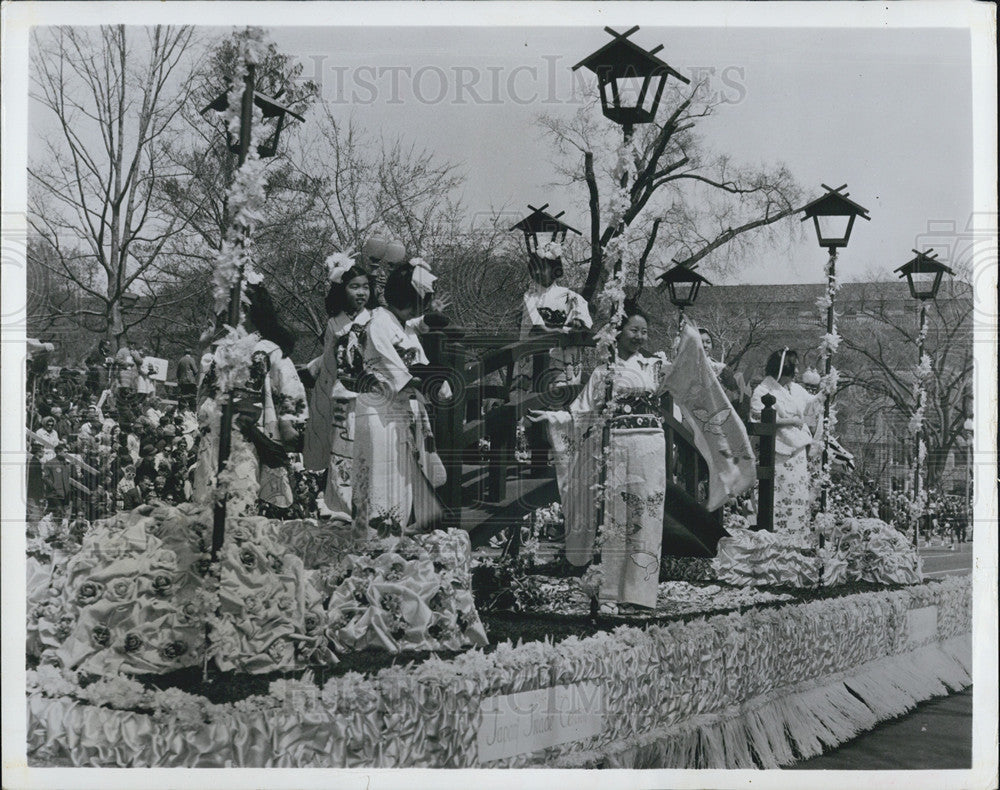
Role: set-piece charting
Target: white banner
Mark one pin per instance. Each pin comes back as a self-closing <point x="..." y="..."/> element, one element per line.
<point x="533" y="720"/>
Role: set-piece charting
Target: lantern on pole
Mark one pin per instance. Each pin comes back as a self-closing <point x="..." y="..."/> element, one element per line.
<point x="682" y="284"/>
<point x="923" y="275"/>
<point x="540" y="227"/>
<point x="630" y="79"/>
<point x="833" y="216"/>
<point x="271" y="109"/>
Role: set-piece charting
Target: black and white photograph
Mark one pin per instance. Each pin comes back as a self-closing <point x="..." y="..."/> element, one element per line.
<point x="603" y="390"/>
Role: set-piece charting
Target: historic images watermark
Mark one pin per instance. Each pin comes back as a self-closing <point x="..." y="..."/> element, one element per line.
<point x="548" y="80"/>
<point x="970" y="250"/>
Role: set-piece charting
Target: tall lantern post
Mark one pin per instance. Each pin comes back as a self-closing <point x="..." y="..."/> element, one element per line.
<point x="923" y="275"/>
<point x="631" y="82"/>
<point x="833" y="216"/>
<point x="240" y="145"/>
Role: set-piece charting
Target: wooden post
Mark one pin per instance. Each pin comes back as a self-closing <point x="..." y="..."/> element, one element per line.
<point x="228" y="408"/>
<point x="765" y="466"/>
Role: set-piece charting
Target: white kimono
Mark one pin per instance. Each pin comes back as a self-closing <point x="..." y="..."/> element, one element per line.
<point x="282" y="398"/>
<point x="328" y="444"/>
<point x="553" y="308"/>
<point x="395" y="466"/>
<point x="791" y="470"/>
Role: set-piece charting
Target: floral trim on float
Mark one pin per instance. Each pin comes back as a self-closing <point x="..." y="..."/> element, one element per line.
<point x="865" y="549"/>
<point x="137" y="596"/>
<point x="762" y="688"/>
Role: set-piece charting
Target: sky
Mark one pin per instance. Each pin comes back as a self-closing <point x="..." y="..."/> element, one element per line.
<point x="886" y="111"/>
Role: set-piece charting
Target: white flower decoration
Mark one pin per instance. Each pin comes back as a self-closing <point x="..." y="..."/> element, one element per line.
<point x="338" y="265"/>
<point x="552" y="250"/>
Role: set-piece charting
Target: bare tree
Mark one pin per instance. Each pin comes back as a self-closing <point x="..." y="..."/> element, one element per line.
<point x="684" y="201"/>
<point x="878" y="357"/>
<point x="115" y="96"/>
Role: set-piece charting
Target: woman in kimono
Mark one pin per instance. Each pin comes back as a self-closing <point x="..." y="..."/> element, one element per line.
<point x="635" y="479"/>
<point x="329" y="437"/>
<point x="791" y="443"/>
<point x="271" y="413"/>
<point x="547" y="308"/>
<point x="395" y="467"/>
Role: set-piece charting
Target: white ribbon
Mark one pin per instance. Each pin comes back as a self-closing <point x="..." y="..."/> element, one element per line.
<point x="422" y="279"/>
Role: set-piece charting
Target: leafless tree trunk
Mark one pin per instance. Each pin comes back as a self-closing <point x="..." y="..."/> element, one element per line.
<point x="683" y="202"/>
<point x="114" y="97"/>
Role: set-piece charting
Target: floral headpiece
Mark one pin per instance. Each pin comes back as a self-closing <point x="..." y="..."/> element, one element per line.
<point x="422" y="278"/>
<point x="552" y="250"/>
<point x="339" y="264"/>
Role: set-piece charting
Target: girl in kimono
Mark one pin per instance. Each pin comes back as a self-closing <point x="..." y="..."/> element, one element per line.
<point x="329" y="437"/>
<point x="271" y="414"/>
<point x="395" y="467"/>
<point x="549" y="307"/>
<point x="635" y="480"/>
<point x="792" y="405"/>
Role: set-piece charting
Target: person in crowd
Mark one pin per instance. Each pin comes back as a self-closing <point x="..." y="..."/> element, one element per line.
<point x="92" y="424"/>
<point x="792" y="441"/>
<point x="49" y="438"/>
<point x="63" y="425"/>
<point x="187" y="379"/>
<point x="395" y="467"/>
<point x="329" y="435"/>
<point x="97" y="368"/>
<point x="272" y="411"/>
<point x="127" y="495"/>
<point x="58" y="489"/>
<point x="145" y="387"/>
<point x="35" y="484"/>
<point x="147" y="491"/>
<point x="126" y="366"/>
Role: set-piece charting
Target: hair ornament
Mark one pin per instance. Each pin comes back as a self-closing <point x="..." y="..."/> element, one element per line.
<point x="338" y="265"/>
<point x="422" y="279"/>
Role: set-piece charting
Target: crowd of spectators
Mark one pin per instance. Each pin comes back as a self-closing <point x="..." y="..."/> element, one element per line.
<point x="109" y="444"/>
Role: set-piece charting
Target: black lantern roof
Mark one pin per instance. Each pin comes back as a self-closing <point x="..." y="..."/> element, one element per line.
<point x="923" y="274"/>
<point x="539" y="221"/>
<point x="621" y="59"/>
<point x="834" y="205"/>
<point x="683" y="283"/>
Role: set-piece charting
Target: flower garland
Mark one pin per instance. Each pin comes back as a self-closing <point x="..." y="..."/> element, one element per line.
<point x="828" y="346"/>
<point x="246" y="195"/>
<point x="611" y="299"/>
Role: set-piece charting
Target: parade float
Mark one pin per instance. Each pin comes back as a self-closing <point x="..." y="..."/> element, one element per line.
<point x="321" y="651"/>
<point x="312" y="644"/>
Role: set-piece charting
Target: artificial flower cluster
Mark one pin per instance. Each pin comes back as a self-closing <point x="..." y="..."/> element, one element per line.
<point x="430" y="713"/>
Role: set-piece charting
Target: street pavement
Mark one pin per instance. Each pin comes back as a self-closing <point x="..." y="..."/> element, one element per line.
<point x="937" y="734"/>
<point x="939" y="561"/>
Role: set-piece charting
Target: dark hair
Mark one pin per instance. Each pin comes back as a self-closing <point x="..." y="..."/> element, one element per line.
<point x="399" y="291"/>
<point x="632" y="309"/>
<point x="704" y="331"/>
<point x="774" y="366"/>
<point x="262" y="313"/>
<point x="536" y="261"/>
<point x="336" y="297"/>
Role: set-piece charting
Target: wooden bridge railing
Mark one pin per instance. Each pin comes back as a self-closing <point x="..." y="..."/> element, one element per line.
<point x="766" y="430"/>
<point x="482" y="369"/>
